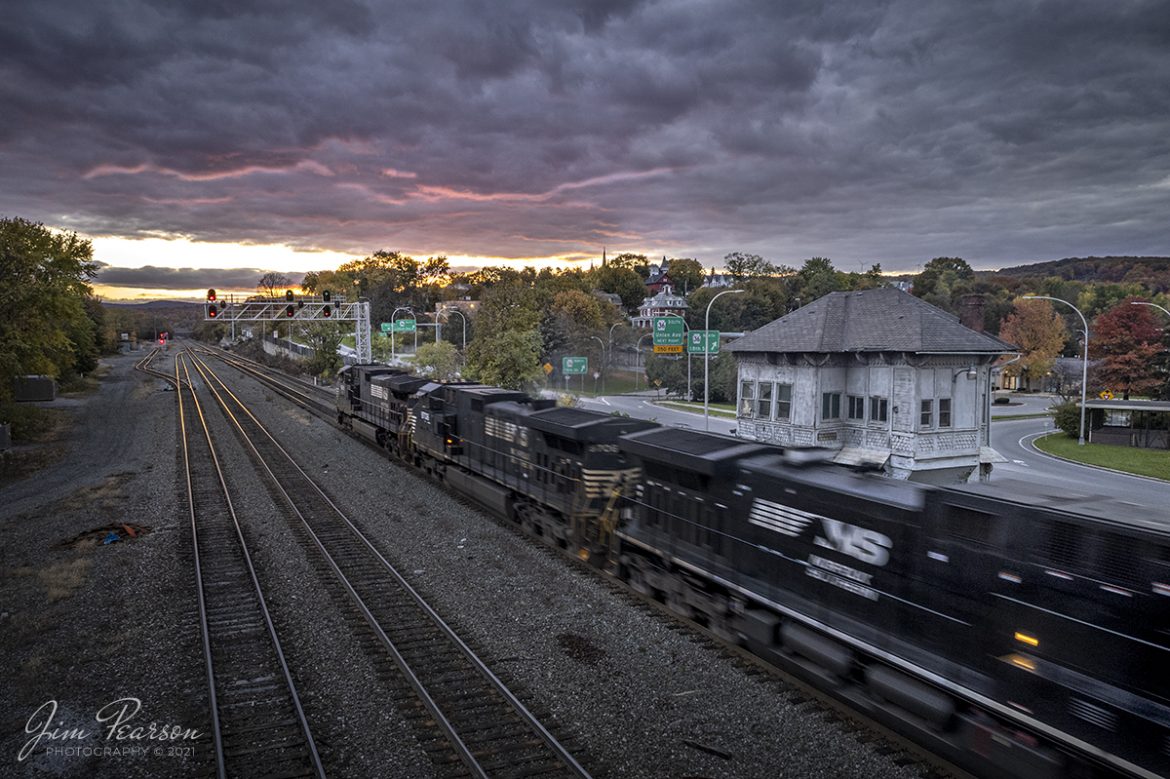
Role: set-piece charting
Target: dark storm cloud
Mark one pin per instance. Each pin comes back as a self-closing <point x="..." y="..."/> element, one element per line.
<point x="151" y="277"/>
<point x="892" y="131"/>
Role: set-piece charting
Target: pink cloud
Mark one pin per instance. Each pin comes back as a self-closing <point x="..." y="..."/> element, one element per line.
<point x="309" y="166"/>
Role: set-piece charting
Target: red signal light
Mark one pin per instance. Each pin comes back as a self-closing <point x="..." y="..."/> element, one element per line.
<point x="210" y="295"/>
<point x="326" y="312"/>
<point x="289" y="311"/>
<point x="212" y="311"/>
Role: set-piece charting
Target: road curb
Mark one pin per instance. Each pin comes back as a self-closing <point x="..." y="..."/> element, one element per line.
<point x="1042" y="453"/>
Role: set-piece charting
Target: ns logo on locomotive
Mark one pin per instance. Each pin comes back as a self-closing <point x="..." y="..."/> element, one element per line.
<point x="1014" y="632"/>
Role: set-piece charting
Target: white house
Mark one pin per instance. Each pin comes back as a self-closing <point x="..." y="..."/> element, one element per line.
<point x="889" y="380"/>
<point x="665" y="303"/>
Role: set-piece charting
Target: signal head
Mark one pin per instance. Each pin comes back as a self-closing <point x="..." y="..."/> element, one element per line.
<point x="210" y="295"/>
<point x="288" y="295"/>
<point x="289" y="310"/>
<point x="326" y="296"/>
<point x="327" y="312"/>
<point x="212" y="311"/>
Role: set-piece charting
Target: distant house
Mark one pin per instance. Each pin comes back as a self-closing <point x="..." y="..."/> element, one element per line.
<point x="890" y="380"/>
<point x="659" y="277"/>
<point x="718" y="280"/>
<point x="664" y="303"/>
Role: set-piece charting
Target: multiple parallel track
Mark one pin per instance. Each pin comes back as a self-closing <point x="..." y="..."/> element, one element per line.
<point x="258" y="725"/>
<point x="487" y="727"/>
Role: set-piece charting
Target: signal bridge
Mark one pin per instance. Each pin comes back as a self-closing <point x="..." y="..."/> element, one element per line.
<point x="325" y="307"/>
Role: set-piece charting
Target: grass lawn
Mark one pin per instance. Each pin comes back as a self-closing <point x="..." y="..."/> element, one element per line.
<point x="717" y="409"/>
<point x="1143" y="462"/>
<point x="616" y="383"/>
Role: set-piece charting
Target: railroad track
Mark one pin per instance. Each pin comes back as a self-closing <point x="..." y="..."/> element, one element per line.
<point x="486" y="726"/>
<point x="258" y="724"/>
<point x="298" y="390"/>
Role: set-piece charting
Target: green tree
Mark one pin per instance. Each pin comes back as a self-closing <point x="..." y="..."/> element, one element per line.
<point x="624" y="282"/>
<point x="942" y="281"/>
<point x="323" y="339"/>
<point x="628" y="261"/>
<point x="746" y="266"/>
<point x="508" y="359"/>
<point x="44" y="276"/>
<point x="439" y="361"/>
<point x="686" y="275"/>
<point x="818" y="278"/>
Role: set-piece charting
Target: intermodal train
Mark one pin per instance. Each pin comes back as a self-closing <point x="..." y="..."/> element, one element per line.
<point x="1014" y="631"/>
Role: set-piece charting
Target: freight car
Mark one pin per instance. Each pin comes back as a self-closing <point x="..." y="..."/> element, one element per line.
<point x="1001" y="626"/>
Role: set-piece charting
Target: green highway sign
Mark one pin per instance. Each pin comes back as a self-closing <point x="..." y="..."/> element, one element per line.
<point x="668" y="330"/>
<point x="703" y="342"/>
<point x="386" y="327"/>
<point x="404" y="326"/>
<point x="574" y="366"/>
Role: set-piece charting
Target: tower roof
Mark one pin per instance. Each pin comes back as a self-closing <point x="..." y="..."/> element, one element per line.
<point x="872" y="320"/>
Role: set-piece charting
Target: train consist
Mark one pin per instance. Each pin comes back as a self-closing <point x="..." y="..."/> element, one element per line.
<point x="1007" y="630"/>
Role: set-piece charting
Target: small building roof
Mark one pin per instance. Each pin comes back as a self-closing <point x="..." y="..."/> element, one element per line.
<point x="872" y="320"/>
<point x="1130" y="405"/>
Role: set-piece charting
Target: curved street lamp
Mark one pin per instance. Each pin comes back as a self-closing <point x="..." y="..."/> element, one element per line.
<point x="1152" y="305"/>
<point x="707" y="358"/>
<point x="601" y="365"/>
<point x="446" y="314"/>
<point x="393" y="335"/>
<point x="1084" y="360"/>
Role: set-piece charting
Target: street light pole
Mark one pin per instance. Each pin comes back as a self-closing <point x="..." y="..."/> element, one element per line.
<point x="447" y="312"/>
<point x="394" y="335"/>
<point x="1084" y="360"/>
<point x="707" y="359"/>
<point x="640" y="362"/>
<point x="602" y="365"/>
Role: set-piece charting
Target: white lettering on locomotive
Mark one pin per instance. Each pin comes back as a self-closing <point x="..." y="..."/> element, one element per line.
<point x="868" y="546"/>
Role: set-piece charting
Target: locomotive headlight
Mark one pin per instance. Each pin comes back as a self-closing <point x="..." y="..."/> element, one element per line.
<point x="1024" y="638"/>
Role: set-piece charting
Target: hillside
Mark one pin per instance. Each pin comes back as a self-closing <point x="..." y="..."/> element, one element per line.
<point x="1152" y="272"/>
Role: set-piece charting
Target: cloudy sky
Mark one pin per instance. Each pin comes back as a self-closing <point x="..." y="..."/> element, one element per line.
<point x="183" y="136"/>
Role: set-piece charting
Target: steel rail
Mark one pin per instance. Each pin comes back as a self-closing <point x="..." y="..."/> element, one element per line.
<point x="294" y="697"/>
<point x="469" y="759"/>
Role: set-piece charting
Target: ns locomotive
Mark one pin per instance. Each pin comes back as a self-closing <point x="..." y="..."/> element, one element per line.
<point x="1015" y="632"/>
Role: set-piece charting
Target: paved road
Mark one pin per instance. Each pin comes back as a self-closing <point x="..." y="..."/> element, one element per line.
<point x="1009" y="437"/>
<point x="1012" y="439"/>
<point x="640" y="407"/>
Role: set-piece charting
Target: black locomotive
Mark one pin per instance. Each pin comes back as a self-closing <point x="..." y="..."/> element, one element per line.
<point x="1007" y="632"/>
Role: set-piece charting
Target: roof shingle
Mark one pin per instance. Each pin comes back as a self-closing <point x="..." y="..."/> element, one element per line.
<point x="872" y="320"/>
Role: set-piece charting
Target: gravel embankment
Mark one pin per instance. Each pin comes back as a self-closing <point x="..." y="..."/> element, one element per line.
<point x="85" y="624"/>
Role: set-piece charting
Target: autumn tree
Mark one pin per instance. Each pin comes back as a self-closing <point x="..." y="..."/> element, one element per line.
<point x="1039" y="332"/>
<point x="1127" y="341"/>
